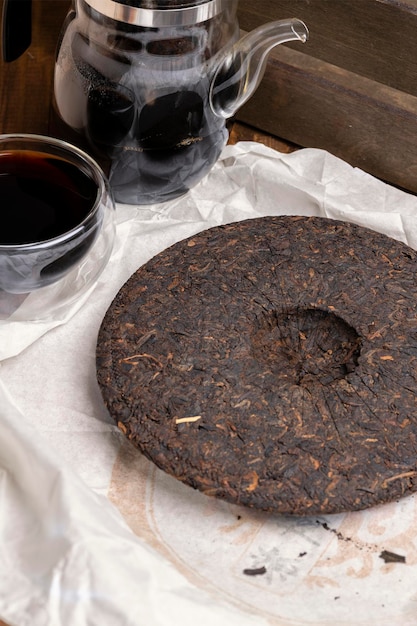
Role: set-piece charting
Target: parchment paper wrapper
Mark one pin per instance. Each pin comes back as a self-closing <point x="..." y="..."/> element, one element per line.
<point x="92" y="533"/>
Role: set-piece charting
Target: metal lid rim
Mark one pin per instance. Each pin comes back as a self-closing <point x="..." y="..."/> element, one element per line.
<point x="156" y="18"/>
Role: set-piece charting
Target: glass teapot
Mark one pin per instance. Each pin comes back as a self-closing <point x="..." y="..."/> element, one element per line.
<point x="146" y="86"/>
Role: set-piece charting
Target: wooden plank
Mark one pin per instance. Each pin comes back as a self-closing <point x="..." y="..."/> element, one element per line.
<point x="315" y="104"/>
<point x="26" y="84"/>
<point x="374" y="38"/>
<point x="243" y="132"/>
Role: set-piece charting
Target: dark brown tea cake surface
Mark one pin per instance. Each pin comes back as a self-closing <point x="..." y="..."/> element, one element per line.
<point x="272" y="363"/>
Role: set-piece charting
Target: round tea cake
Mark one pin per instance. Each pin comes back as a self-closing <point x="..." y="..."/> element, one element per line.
<point x="271" y="362"/>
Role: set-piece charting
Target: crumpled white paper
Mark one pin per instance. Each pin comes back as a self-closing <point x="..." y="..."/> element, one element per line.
<point x="68" y="557"/>
<point x="92" y="533"/>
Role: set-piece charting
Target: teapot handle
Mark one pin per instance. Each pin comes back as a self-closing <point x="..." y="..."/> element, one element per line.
<point x="16" y="28"/>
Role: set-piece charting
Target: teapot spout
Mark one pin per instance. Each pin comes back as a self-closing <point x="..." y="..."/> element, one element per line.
<point x="239" y="74"/>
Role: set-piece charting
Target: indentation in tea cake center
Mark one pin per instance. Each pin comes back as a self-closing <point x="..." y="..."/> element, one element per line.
<point x="304" y="346"/>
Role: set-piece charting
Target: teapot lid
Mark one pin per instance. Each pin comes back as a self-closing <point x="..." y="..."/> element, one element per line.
<point x="158" y="13"/>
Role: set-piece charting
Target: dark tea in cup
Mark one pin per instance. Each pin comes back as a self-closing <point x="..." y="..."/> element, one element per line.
<point x="53" y="198"/>
<point x="43" y="196"/>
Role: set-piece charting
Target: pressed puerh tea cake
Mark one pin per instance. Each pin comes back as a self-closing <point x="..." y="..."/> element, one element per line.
<point x="271" y="362"/>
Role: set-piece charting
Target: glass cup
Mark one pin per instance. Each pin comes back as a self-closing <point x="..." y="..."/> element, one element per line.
<point x="57" y="225"/>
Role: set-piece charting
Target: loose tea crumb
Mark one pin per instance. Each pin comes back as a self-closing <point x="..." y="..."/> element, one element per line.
<point x="391" y="557"/>
<point x="256" y="571"/>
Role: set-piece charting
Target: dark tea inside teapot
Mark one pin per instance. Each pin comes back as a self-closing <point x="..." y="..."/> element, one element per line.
<point x="146" y="86"/>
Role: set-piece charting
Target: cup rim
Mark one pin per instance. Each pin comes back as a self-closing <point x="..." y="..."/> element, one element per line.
<point x="100" y="179"/>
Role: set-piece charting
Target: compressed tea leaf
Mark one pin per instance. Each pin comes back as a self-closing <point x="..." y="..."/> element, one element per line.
<point x="273" y="363"/>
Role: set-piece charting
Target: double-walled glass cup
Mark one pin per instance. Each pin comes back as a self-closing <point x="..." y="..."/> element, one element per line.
<point x="57" y="230"/>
